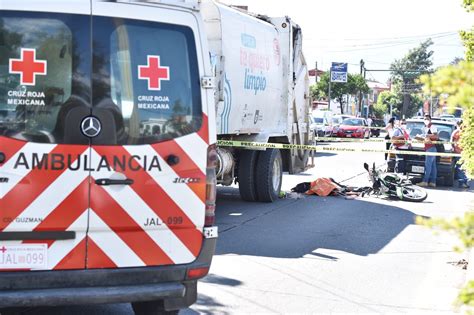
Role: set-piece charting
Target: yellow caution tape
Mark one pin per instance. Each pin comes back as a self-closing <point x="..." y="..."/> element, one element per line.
<point x="260" y="145"/>
<point x="334" y="139"/>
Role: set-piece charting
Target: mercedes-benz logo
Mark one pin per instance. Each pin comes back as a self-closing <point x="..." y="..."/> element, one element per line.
<point x="91" y="126"/>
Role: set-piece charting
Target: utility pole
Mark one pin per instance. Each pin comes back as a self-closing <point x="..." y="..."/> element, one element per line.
<point x="431" y="98"/>
<point x="316" y="72"/>
<point x="406" y="96"/>
<point x="362" y="72"/>
<point x="329" y="94"/>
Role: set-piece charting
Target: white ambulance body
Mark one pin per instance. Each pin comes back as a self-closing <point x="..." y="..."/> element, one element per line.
<point x="107" y="136"/>
<point x="262" y="95"/>
<point x="107" y="142"/>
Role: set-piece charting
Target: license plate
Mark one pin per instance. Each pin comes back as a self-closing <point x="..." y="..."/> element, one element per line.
<point x="418" y="169"/>
<point x="31" y="256"/>
<point x="348" y="136"/>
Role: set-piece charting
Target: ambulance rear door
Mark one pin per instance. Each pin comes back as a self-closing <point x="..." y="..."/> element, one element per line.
<point x="45" y="91"/>
<point x="148" y="167"/>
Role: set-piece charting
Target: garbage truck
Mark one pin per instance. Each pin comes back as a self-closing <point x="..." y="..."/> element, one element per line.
<point x="262" y="95"/>
<point x="110" y="113"/>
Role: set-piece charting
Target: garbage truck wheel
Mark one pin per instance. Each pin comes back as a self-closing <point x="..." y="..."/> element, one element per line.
<point x="269" y="175"/>
<point x="246" y="175"/>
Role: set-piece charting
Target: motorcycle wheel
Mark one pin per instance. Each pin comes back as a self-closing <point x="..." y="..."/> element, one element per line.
<point x="413" y="193"/>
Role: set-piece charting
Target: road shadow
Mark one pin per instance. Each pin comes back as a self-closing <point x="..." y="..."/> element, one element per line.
<point x="292" y="228"/>
<point x="323" y="154"/>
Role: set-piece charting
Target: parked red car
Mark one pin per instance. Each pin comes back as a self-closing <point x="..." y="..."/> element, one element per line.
<point x="353" y="128"/>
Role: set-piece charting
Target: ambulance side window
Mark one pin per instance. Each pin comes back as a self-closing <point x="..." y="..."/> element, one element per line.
<point x="39" y="57"/>
<point x="146" y="77"/>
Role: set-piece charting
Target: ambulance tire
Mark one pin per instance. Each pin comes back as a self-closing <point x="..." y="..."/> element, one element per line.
<point x="269" y="175"/>
<point x="246" y="175"/>
<point x="151" y="308"/>
<point x="13" y="311"/>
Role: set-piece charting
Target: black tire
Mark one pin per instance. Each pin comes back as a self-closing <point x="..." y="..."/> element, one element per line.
<point x="246" y="175"/>
<point x="13" y="311"/>
<point x="151" y="308"/>
<point x="268" y="186"/>
<point x="414" y="193"/>
<point x="449" y="179"/>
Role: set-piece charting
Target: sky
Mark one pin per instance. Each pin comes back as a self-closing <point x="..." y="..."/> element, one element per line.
<point x="378" y="31"/>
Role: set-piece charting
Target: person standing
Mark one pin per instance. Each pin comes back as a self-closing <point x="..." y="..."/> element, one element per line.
<point x="390" y="128"/>
<point x="400" y="139"/>
<point x="459" y="172"/>
<point x="430" y="134"/>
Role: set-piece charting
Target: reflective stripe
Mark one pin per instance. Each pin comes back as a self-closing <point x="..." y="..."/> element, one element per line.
<point x="111" y="244"/>
<point x="180" y="194"/>
<point x="48" y="200"/>
<point x="196" y="149"/>
<point x="16" y="175"/>
<point x="58" y="250"/>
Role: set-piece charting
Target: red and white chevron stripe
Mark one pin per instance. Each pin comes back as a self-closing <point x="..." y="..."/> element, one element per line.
<point x="109" y="221"/>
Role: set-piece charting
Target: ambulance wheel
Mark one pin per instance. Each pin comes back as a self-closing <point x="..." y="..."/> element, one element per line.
<point x="151" y="308"/>
<point x="13" y="311"/>
<point x="246" y="175"/>
<point x="269" y="175"/>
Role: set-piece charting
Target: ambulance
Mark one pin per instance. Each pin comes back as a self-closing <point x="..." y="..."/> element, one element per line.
<point x="107" y="154"/>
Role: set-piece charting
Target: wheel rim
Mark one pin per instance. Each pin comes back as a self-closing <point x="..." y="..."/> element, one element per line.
<point x="413" y="193"/>
<point x="276" y="178"/>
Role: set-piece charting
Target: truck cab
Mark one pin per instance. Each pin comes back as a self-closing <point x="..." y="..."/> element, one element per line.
<point x="107" y="154"/>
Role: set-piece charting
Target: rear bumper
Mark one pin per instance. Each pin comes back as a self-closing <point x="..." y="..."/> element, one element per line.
<point x="443" y="170"/>
<point x="101" y="286"/>
<point x="91" y="295"/>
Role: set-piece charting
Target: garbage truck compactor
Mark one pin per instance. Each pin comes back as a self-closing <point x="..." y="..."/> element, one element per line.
<point x="262" y="95"/>
<point x="109" y="116"/>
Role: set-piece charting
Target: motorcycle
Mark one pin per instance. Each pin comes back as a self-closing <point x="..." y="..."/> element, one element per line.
<point x="393" y="185"/>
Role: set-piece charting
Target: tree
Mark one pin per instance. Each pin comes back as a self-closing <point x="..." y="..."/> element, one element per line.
<point x="469" y="5"/>
<point x="456" y="60"/>
<point x="468" y="39"/>
<point x="406" y="71"/>
<point x="386" y="100"/>
<point x="355" y="84"/>
<point x="457" y="81"/>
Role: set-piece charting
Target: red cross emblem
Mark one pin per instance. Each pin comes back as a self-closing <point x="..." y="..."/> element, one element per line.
<point x="3" y="249"/>
<point x="154" y="73"/>
<point x="28" y="67"/>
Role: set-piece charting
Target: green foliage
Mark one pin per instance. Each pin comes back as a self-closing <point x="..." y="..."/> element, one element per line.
<point x="468" y="40"/>
<point x="462" y="227"/>
<point x="466" y="296"/>
<point x="467" y="141"/>
<point x="456" y="61"/>
<point x="457" y="81"/>
<point x="355" y="84"/>
<point x="385" y="99"/>
<point x="405" y="73"/>
<point x="380" y="109"/>
<point x="418" y="59"/>
<point x="469" y="5"/>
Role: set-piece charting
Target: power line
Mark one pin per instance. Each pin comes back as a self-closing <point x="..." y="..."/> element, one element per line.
<point x="373" y="46"/>
<point x="393" y="38"/>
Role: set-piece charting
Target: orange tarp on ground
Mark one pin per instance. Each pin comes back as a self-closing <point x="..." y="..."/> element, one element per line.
<point x="322" y="187"/>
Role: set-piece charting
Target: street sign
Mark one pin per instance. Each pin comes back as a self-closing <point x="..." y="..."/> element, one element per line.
<point x="339" y="72"/>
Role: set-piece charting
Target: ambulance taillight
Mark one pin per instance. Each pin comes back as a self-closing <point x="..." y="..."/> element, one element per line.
<point x="211" y="182"/>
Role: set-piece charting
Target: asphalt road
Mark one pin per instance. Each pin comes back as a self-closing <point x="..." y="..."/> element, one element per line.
<point x="327" y="255"/>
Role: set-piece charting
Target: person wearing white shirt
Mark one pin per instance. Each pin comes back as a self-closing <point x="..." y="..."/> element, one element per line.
<point x="430" y="134"/>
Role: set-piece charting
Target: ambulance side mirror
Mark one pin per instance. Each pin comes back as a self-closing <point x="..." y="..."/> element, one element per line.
<point x="2" y="157"/>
